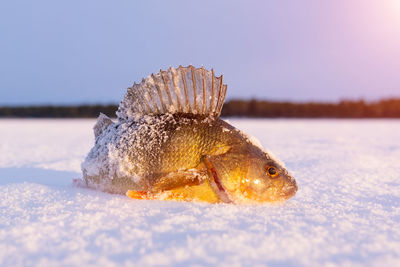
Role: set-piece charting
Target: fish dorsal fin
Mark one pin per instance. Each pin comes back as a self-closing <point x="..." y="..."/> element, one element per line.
<point x="176" y="90"/>
<point x="102" y="123"/>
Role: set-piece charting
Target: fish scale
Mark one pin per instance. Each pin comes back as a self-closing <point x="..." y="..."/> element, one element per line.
<point x="188" y="144"/>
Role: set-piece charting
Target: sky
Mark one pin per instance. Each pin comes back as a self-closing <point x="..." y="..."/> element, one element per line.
<point x="87" y="52"/>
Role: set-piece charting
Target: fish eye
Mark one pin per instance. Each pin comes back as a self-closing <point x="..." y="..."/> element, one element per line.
<point x="272" y="171"/>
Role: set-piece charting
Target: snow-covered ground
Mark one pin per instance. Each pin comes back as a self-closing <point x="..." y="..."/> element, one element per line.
<point x="346" y="212"/>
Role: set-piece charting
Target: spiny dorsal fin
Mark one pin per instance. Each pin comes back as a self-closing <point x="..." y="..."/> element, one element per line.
<point x="102" y="123"/>
<point x="181" y="90"/>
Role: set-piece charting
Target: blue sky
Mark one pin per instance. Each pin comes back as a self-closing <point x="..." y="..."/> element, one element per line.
<point x="69" y="52"/>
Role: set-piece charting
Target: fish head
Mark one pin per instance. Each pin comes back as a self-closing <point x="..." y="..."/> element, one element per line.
<point x="250" y="175"/>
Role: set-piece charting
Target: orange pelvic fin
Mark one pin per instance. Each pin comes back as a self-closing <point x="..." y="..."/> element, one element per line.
<point x="139" y="194"/>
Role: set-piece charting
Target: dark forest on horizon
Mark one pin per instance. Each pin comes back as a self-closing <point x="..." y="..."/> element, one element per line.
<point x="386" y="108"/>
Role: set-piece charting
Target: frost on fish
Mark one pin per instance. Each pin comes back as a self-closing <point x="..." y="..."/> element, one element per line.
<point x="169" y="143"/>
<point x="102" y="123"/>
<point x="121" y="150"/>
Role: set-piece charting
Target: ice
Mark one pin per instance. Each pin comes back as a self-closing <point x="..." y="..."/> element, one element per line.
<point x="346" y="211"/>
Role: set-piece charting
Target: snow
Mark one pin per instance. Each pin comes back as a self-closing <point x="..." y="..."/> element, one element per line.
<point x="346" y="211"/>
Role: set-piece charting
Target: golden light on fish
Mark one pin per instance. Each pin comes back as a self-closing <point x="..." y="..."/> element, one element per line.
<point x="170" y="144"/>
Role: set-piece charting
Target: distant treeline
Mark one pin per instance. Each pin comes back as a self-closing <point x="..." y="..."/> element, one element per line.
<point x="82" y="111"/>
<point x="387" y="108"/>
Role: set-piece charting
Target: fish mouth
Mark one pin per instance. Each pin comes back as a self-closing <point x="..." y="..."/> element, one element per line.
<point x="290" y="190"/>
<point x="216" y="184"/>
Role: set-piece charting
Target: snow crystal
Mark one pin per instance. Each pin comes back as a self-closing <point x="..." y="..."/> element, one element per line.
<point x="346" y="211"/>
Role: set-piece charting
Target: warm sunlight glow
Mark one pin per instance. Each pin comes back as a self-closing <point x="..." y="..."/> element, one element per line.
<point x="396" y="5"/>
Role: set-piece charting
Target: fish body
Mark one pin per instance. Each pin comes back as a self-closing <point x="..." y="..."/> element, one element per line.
<point x="190" y="155"/>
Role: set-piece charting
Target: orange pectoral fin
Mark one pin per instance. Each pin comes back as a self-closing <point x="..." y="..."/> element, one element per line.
<point x="139" y="195"/>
